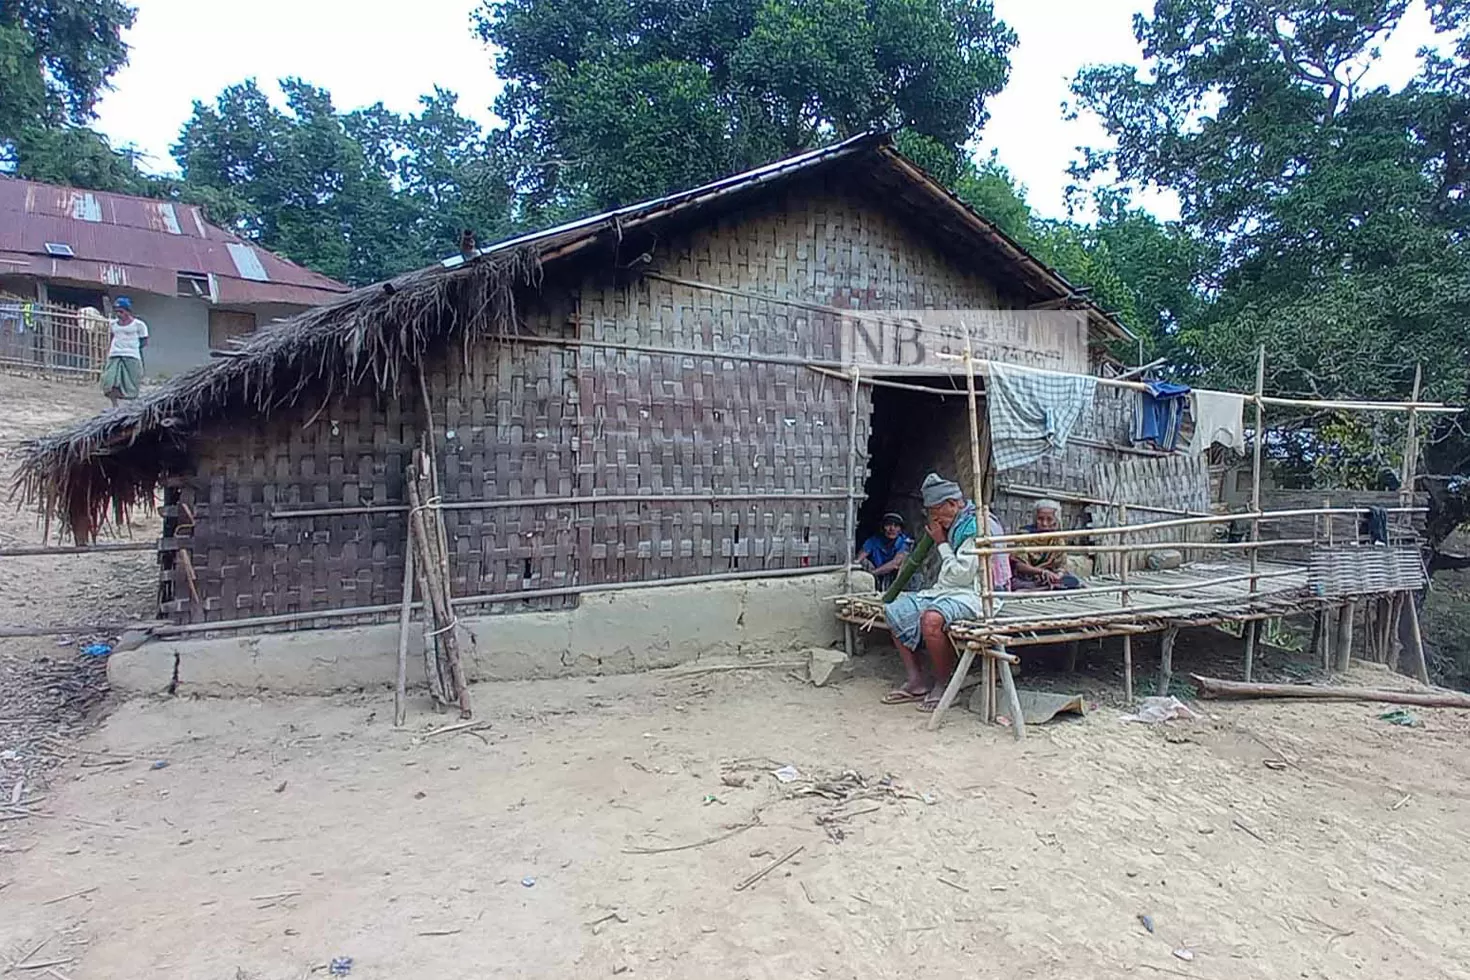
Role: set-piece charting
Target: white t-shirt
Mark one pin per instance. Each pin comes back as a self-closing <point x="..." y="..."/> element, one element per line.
<point x="125" y="339"/>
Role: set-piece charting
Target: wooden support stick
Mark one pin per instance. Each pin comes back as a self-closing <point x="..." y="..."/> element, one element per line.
<point x="1416" y="641"/>
<point x="405" y="614"/>
<point x="1322" y="637"/>
<point x="1211" y="687"/>
<point x="1345" y="634"/>
<point x="769" y="868"/>
<point x="1395" y="623"/>
<point x="956" y="681"/>
<point x="1128" y="668"/>
<point x="1260" y="442"/>
<point x="1013" y="700"/>
<point x="91" y="549"/>
<point x="1251" y="631"/>
<point x="1073" y="648"/>
<point x="1166" y="659"/>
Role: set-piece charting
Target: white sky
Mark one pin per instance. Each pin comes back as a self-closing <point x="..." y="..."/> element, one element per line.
<point x="366" y="51"/>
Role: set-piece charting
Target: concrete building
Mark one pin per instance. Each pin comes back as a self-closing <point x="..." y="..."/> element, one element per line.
<point x="195" y="284"/>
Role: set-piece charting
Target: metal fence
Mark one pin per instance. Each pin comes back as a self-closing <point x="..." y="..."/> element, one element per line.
<point x="52" y="339"/>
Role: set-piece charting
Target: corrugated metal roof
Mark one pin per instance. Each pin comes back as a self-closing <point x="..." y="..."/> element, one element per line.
<point x="142" y="244"/>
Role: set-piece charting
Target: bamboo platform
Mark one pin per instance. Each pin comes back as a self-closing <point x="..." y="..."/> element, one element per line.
<point x="1156" y="601"/>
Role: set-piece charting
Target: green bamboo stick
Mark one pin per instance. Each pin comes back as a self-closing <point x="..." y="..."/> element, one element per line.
<point x="910" y="566"/>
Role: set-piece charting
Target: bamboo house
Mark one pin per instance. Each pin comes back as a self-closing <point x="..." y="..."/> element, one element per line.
<point x="648" y="436"/>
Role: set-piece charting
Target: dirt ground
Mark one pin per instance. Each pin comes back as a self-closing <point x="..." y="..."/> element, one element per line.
<point x="601" y="827"/>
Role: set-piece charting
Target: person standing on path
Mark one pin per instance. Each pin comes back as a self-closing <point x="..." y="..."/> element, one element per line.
<point x="123" y="373"/>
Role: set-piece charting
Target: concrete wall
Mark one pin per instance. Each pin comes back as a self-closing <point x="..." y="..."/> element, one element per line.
<point x="608" y="633"/>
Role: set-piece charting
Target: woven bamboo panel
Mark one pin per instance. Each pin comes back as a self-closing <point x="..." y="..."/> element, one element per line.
<point x="1179" y="481"/>
<point x="1362" y="569"/>
<point x="350" y="452"/>
<point x="1072" y="470"/>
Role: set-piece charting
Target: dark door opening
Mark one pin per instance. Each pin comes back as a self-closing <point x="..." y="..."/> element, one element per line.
<point x="914" y="433"/>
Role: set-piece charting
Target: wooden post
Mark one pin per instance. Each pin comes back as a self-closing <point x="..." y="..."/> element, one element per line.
<point x="1345" y="634"/>
<point x="1073" y="648"/>
<point x="851" y="525"/>
<point x="1125" y="559"/>
<point x="1329" y="637"/>
<point x="1416" y="641"/>
<point x="982" y="506"/>
<point x="953" y="688"/>
<point x="1166" y="659"/>
<point x="1018" y="718"/>
<point x="1395" y="617"/>
<point x="1251" y="630"/>
<point x="405" y="613"/>
<point x="1411" y="446"/>
<point x="1260" y="443"/>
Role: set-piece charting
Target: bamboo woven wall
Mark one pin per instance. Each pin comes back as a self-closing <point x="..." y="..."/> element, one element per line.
<point x="518" y="421"/>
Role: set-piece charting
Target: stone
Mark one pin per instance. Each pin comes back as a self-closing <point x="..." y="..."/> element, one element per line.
<point x="823" y="663"/>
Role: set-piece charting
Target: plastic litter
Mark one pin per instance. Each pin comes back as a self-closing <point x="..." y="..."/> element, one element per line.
<point x="340" y="966"/>
<point x="528" y="881"/>
<point x="97" y="650"/>
<point x="1400" y="716"/>
<point x="159" y="764"/>
<point x="1148" y="922"/>
<point x="1156" y="709"/>
<point x="787" y="774"/>
<point x="1184" y="953"/>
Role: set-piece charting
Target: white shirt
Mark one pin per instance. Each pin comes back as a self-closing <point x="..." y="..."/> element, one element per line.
<point x="126" y="337"/>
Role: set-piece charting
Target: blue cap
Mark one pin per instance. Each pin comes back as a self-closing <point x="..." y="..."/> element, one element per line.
<point x="123" y="303"/>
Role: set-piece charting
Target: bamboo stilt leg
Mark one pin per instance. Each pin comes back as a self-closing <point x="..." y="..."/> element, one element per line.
<point x="1128" y="667"/>
<point x="1166" y="659"/>
<point x="1013" y="700"/>
<point x="1395" y="621"/>
<point x="1073" y="648"/>
<point x="400" y="690"/>
<point x="1329" y="636"/>
<point x="1416" y="641"/>
<point x="1252" y="630"/>
<point x="1316" y="644"/>
<point x="955" y="681"/>
<point x="1345" y="634"/>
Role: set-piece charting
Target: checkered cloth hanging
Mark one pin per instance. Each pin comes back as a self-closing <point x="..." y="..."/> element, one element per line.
<point x="1033" y="413"/>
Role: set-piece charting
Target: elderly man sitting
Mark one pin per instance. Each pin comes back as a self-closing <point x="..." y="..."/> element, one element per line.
<point x="918" y="619"/>
<point x="1042" y="564"/>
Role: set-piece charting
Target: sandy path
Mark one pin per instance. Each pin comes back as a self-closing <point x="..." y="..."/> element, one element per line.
<point x="1056" y="846"/>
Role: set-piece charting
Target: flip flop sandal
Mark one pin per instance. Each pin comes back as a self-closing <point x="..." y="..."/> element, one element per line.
<point x="927" y="706"/>
<point x="901" y="696"/>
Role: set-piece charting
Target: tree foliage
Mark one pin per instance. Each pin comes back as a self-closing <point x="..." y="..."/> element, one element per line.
<point x="56" y="58"/>
<point x="612" y="101"/>
<point x="360" y="195"/>
<point x="1336" y="214"/>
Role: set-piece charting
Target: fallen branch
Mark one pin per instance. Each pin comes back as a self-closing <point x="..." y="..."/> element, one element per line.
<point x="770" y="867"/>
<point x="1210" y="687"/>
<point x="76" y="894"/>
<point x="699" y="843"/>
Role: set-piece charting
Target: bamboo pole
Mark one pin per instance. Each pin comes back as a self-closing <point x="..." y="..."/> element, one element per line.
<point x="1104" y="549"/>
<point x="1166" y="659"/>
<point x="982" y="534"/>
<point x="852" y="414"/>
<point x="1123" y="598"/>
<point x="1178" y="522"/>
<point x="1345" y="634"/>
<point x="507" y="502"/>
<point x="427" y="569"/>
<point x="1211" y="687"/>
<point x="1013" y="699"/>
<point x="1416" y="641"/>
<point x="400" y="689"/>
<point x="982" y="366"/>
<point x="1260" y="443"/>
<point x="1021" y="490"/>
<point x="26" y="551"/>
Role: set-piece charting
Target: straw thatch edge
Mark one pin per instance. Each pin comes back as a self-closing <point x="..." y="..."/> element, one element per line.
<point x="115" y="462"/>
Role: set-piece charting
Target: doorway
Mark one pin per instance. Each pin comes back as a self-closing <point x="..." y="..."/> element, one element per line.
<point x="914" y="433"/>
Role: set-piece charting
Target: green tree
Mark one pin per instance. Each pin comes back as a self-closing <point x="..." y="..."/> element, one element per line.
<point x="56" y="58"/>
<point x="1335" y="214"/>
<point x="360" y="196"/>
<point x="610" y="101"/>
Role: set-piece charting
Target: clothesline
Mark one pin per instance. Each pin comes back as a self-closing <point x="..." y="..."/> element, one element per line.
<point x="984" y="367"/>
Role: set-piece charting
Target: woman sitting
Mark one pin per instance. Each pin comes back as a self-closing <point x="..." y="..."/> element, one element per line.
<point x="1042" y="563"/>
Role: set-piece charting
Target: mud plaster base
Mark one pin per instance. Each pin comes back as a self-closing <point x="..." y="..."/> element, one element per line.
<point x="608" y="633"/>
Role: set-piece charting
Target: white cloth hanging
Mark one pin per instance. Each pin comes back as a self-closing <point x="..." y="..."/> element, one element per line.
<point x="1219" y="416"/>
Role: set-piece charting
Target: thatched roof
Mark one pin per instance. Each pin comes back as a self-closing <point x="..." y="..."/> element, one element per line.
<point x="108" y="464"/>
